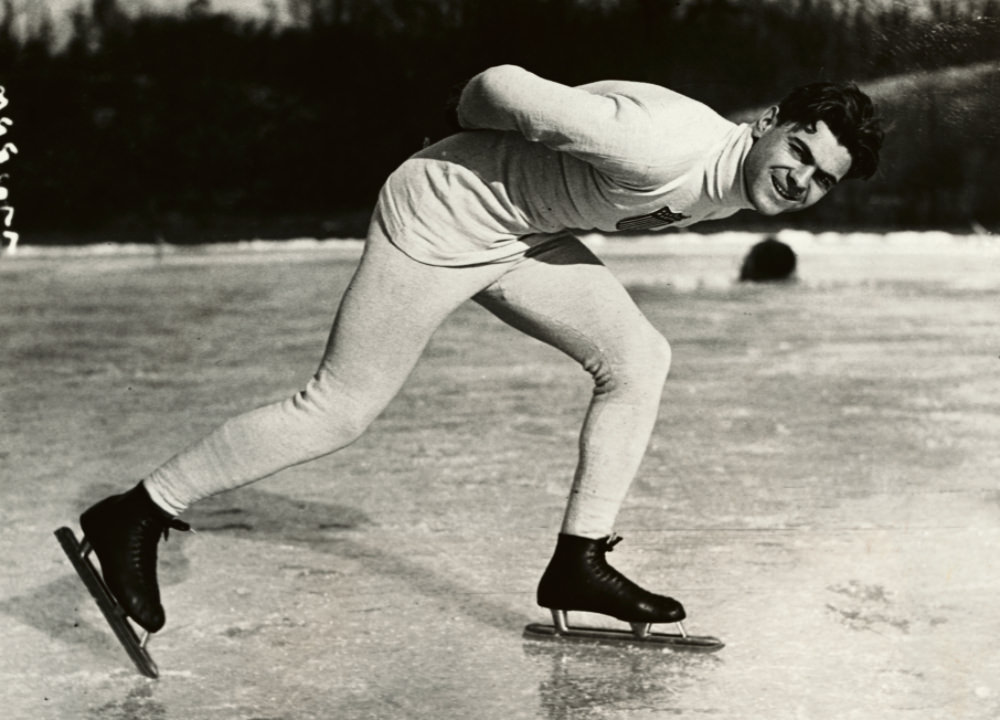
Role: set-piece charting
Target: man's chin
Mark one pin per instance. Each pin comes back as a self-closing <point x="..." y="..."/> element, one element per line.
<point x="767" y="208"/>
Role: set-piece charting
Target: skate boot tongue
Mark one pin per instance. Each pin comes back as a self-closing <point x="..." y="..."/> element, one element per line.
<point x="610" y="541"/>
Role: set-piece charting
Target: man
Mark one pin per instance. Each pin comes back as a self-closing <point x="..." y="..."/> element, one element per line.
<point x="484" y="214"/>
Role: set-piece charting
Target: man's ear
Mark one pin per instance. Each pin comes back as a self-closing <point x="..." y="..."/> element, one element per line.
<point x="765" y="122"/>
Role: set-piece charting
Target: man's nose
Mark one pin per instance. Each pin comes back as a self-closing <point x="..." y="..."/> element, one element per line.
<point x="800" y="178"/>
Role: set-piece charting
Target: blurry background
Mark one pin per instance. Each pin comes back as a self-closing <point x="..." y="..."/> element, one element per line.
<point x="224" y="119"/>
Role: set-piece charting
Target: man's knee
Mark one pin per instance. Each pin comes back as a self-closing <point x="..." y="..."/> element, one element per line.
<point x="333" y="420"/>
<point x="640" y="363"/>
<point x="662" y="354"/>
<point x="655" y="358"/>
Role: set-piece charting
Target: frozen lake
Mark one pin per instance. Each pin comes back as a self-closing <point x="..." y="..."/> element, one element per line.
<point x="821" y="491"/>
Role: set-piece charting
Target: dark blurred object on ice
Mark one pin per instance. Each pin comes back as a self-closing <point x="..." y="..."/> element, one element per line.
<point x="769" y="260"/>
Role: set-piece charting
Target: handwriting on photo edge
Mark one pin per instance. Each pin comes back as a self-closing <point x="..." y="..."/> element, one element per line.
<point x="9" y="244"/>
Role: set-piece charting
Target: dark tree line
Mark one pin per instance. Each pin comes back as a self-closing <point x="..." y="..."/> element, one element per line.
<point x="202" y="126"/>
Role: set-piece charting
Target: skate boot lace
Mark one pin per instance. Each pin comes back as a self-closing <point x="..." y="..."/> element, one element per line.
<point x="610" y="574"/>
<point x="610" y="541"/>
<point x="176" y="524"/>
<point x="142" y="550"/>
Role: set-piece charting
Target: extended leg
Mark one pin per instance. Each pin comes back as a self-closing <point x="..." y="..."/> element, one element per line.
<point x="387" y="315"/>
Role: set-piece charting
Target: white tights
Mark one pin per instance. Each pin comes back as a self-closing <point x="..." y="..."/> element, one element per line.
<point x="559" y="293"/>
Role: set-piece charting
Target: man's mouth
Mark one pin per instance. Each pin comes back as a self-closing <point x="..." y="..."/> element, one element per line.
<point x="782" y="192"/>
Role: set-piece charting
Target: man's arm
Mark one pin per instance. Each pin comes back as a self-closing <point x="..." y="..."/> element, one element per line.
<point x="610" y="131"/>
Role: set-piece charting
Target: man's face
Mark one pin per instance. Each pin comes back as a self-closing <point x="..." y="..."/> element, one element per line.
<point x="791" y="167"/>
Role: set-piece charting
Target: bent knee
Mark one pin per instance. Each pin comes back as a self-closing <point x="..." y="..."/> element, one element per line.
<point x="640" y="363"/>
<point x="662" y="353"/>
<point x="653" y="358"/>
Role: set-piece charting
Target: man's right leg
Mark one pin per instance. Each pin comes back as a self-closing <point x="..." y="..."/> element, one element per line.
<point x="563" y="295"/>
<point x="390" y="310"/>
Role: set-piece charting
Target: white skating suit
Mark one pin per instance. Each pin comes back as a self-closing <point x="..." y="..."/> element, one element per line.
<point x="484" y="214"/>
<point x="542" y="158"/>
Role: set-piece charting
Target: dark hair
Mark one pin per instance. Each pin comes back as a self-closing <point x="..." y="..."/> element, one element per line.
<point x="847" y="111"/>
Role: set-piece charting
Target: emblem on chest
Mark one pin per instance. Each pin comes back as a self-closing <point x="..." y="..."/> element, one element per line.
<point x="659" y="219"/>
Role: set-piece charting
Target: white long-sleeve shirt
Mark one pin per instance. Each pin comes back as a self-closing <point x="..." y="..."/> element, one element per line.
<point x="543" y="158"/>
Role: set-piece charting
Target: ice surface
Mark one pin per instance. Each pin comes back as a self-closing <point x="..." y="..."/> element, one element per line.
<point x="820" y="492"/>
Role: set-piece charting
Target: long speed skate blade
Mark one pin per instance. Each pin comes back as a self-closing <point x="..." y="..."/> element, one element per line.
<point x="112" y="611"/>
<point x="687" y="643"/>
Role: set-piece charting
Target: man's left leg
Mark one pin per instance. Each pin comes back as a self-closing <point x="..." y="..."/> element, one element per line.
<point x="563" y="295"/>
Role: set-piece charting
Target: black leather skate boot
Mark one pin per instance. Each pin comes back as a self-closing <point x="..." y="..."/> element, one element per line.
<point x="123" y="531"/>
<point x="579" y="578"/>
